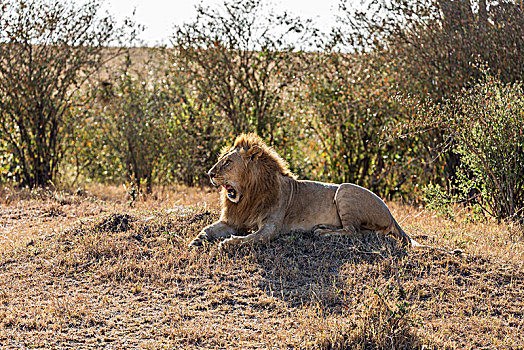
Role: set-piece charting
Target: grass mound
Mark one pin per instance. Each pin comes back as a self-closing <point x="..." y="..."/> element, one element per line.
<point x="115" y="223"/>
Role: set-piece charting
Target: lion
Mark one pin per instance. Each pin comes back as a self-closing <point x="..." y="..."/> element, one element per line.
<point x="262" y="199"/>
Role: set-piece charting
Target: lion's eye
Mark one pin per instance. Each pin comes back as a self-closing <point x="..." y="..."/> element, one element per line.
<point x="227" y="162"/>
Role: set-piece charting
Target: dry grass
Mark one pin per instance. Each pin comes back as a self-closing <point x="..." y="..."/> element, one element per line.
<point x="87" y="271"/>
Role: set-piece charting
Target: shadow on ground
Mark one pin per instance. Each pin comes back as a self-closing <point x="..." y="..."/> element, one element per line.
<point x="301" y="268"/>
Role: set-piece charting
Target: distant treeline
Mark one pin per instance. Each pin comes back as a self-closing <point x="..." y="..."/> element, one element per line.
<point x="419" y="99"/>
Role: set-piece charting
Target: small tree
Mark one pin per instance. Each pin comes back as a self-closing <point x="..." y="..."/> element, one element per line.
<point x="242" y="60"/>
<point x="47" y="50"/>
<point x="126" y="126"/>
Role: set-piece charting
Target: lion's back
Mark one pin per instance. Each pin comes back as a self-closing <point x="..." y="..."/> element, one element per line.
<point x="311" y="203"/>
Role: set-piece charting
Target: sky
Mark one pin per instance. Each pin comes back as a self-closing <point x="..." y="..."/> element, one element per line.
<point x="160" y="16"/>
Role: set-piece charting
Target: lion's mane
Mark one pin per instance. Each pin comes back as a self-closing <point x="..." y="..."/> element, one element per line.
<point x="260" y="187"/>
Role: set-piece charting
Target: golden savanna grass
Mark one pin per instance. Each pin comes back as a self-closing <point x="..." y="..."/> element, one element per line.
<point x="86" y="270"/>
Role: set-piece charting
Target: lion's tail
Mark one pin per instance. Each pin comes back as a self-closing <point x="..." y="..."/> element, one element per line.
<point x="406" y="240"/>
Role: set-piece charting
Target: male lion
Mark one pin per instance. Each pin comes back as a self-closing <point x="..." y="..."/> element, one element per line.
<point x="260" y="194"/>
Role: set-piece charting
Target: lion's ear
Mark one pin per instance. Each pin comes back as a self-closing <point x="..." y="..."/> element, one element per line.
<point x="253" y="153"/>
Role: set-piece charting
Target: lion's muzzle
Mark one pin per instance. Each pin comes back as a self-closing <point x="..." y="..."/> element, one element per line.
<point x="212" y="175"/>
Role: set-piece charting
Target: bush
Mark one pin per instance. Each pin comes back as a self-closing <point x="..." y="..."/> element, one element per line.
<point x="431" y="45"/>
<point x="353" y="106"/>
<point x="144" y="126"/>
<point x="486" y="123"/>
<point x="48" y="49"/>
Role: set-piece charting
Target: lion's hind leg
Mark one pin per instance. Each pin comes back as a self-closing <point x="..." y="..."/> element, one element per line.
<point x="330" y="230"/>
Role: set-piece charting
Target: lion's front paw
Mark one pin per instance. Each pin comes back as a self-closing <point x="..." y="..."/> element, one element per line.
<point x="228" y="243"/>
<point x="199" y="240"/>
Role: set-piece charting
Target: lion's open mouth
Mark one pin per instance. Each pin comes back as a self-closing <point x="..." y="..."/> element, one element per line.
<point x="231" y="192"/>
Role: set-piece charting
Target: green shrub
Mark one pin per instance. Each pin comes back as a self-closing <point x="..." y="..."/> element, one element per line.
<point x="439" y="200"/>
<point x="125" y="130"/>
<point x="431" y="45"/>
<point x="486" y="123"/>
